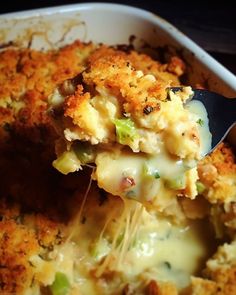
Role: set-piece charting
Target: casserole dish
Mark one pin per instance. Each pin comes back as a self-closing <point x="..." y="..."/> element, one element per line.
<point x="89" y="22"/>
<point x="35" y="239"/>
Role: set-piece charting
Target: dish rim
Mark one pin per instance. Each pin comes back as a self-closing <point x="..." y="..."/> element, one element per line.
<point x="181" y="39"/>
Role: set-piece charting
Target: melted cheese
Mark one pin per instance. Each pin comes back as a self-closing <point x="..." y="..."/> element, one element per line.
<point x="136" y="245"/>
<point x="113" y="169"/>
<point x="167" y="252"/>
<point x="134" y="175"/>
<point x="120" y="242"/>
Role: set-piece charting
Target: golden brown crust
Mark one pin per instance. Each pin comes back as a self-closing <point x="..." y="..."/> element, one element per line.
<point x="218" y="173"/>
<point x="162" y="288"/>
<point x="223" y="159"/>
<point x="116" y="84"/>
<point x="22" y="236"/>
<point x="115" y="72"/>
<point x="220" y="273"/>
<point x="17" y="244"/>
<point x="219" y="282"/>
<point x="28" y="77"/>
<point x="201" y="286"/>
<point x="74" y="105"/>
<point x="168" y="72"/>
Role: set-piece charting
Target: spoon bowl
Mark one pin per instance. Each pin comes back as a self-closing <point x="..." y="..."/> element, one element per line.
<point x="221" y="113"/>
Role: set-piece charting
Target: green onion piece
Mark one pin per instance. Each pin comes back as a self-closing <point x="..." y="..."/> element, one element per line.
<point x="200" y="187"/>
<point x="125" y="130"/>
<point x="148" y="172"/>
<point x="61" y="284"/>
<point x="156" y="175"/>
<point x="176" y="183"/>
<point x="167" y="264"/>
<point x="200" y="122"/>
<point x="83" y="152"/>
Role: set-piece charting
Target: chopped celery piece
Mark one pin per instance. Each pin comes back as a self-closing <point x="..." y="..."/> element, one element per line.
<point x="148" y="172"/>
<point x="200" y="187"/>
<point x="125" y="130"/>
<point x="67" y="162"/>
<point x="83" y="152"/>
<point x="61" y="284"/>
<point x="176" y="183"/>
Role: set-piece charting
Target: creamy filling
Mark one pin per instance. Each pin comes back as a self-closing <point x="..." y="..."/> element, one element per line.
<point x="126" y="240"/>
<point x="138" y="175"/>
<point x="158" y="249"/>
<point x="141" y="176"/>
<point x="131" y="175"/>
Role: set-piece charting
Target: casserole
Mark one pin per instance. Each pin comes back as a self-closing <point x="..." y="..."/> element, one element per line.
<point x="87" y="22"/>
<point x="49" y="28"/>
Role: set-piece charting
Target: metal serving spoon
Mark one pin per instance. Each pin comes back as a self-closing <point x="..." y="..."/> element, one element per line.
<point x="221" y="113"/>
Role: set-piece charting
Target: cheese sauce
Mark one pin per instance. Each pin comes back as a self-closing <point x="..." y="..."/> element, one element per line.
<point x="160" y="249"/>
<point x="114" y="170"/>
<point x="140" y="176"/>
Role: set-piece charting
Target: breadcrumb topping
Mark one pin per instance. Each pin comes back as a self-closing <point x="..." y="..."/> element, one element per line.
<point x="22" y="237"/>
<point x="28" y="77"/>
<point x="34" y="197"/>
<point x="218" y="173"/>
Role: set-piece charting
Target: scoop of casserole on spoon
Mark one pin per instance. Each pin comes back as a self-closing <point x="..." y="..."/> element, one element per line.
<point x="142" y="139"/>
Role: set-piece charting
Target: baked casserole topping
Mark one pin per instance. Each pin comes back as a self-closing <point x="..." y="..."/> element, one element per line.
<point x="126" y="211"/>
<point x="138" y="133"/>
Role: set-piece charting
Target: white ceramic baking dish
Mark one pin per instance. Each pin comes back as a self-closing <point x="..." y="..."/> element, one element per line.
<point x="114" y="24"/>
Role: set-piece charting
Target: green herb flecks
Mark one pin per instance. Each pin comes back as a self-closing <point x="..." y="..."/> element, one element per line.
<point x="150" y="173"/>
<point x="200" y="122"/>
